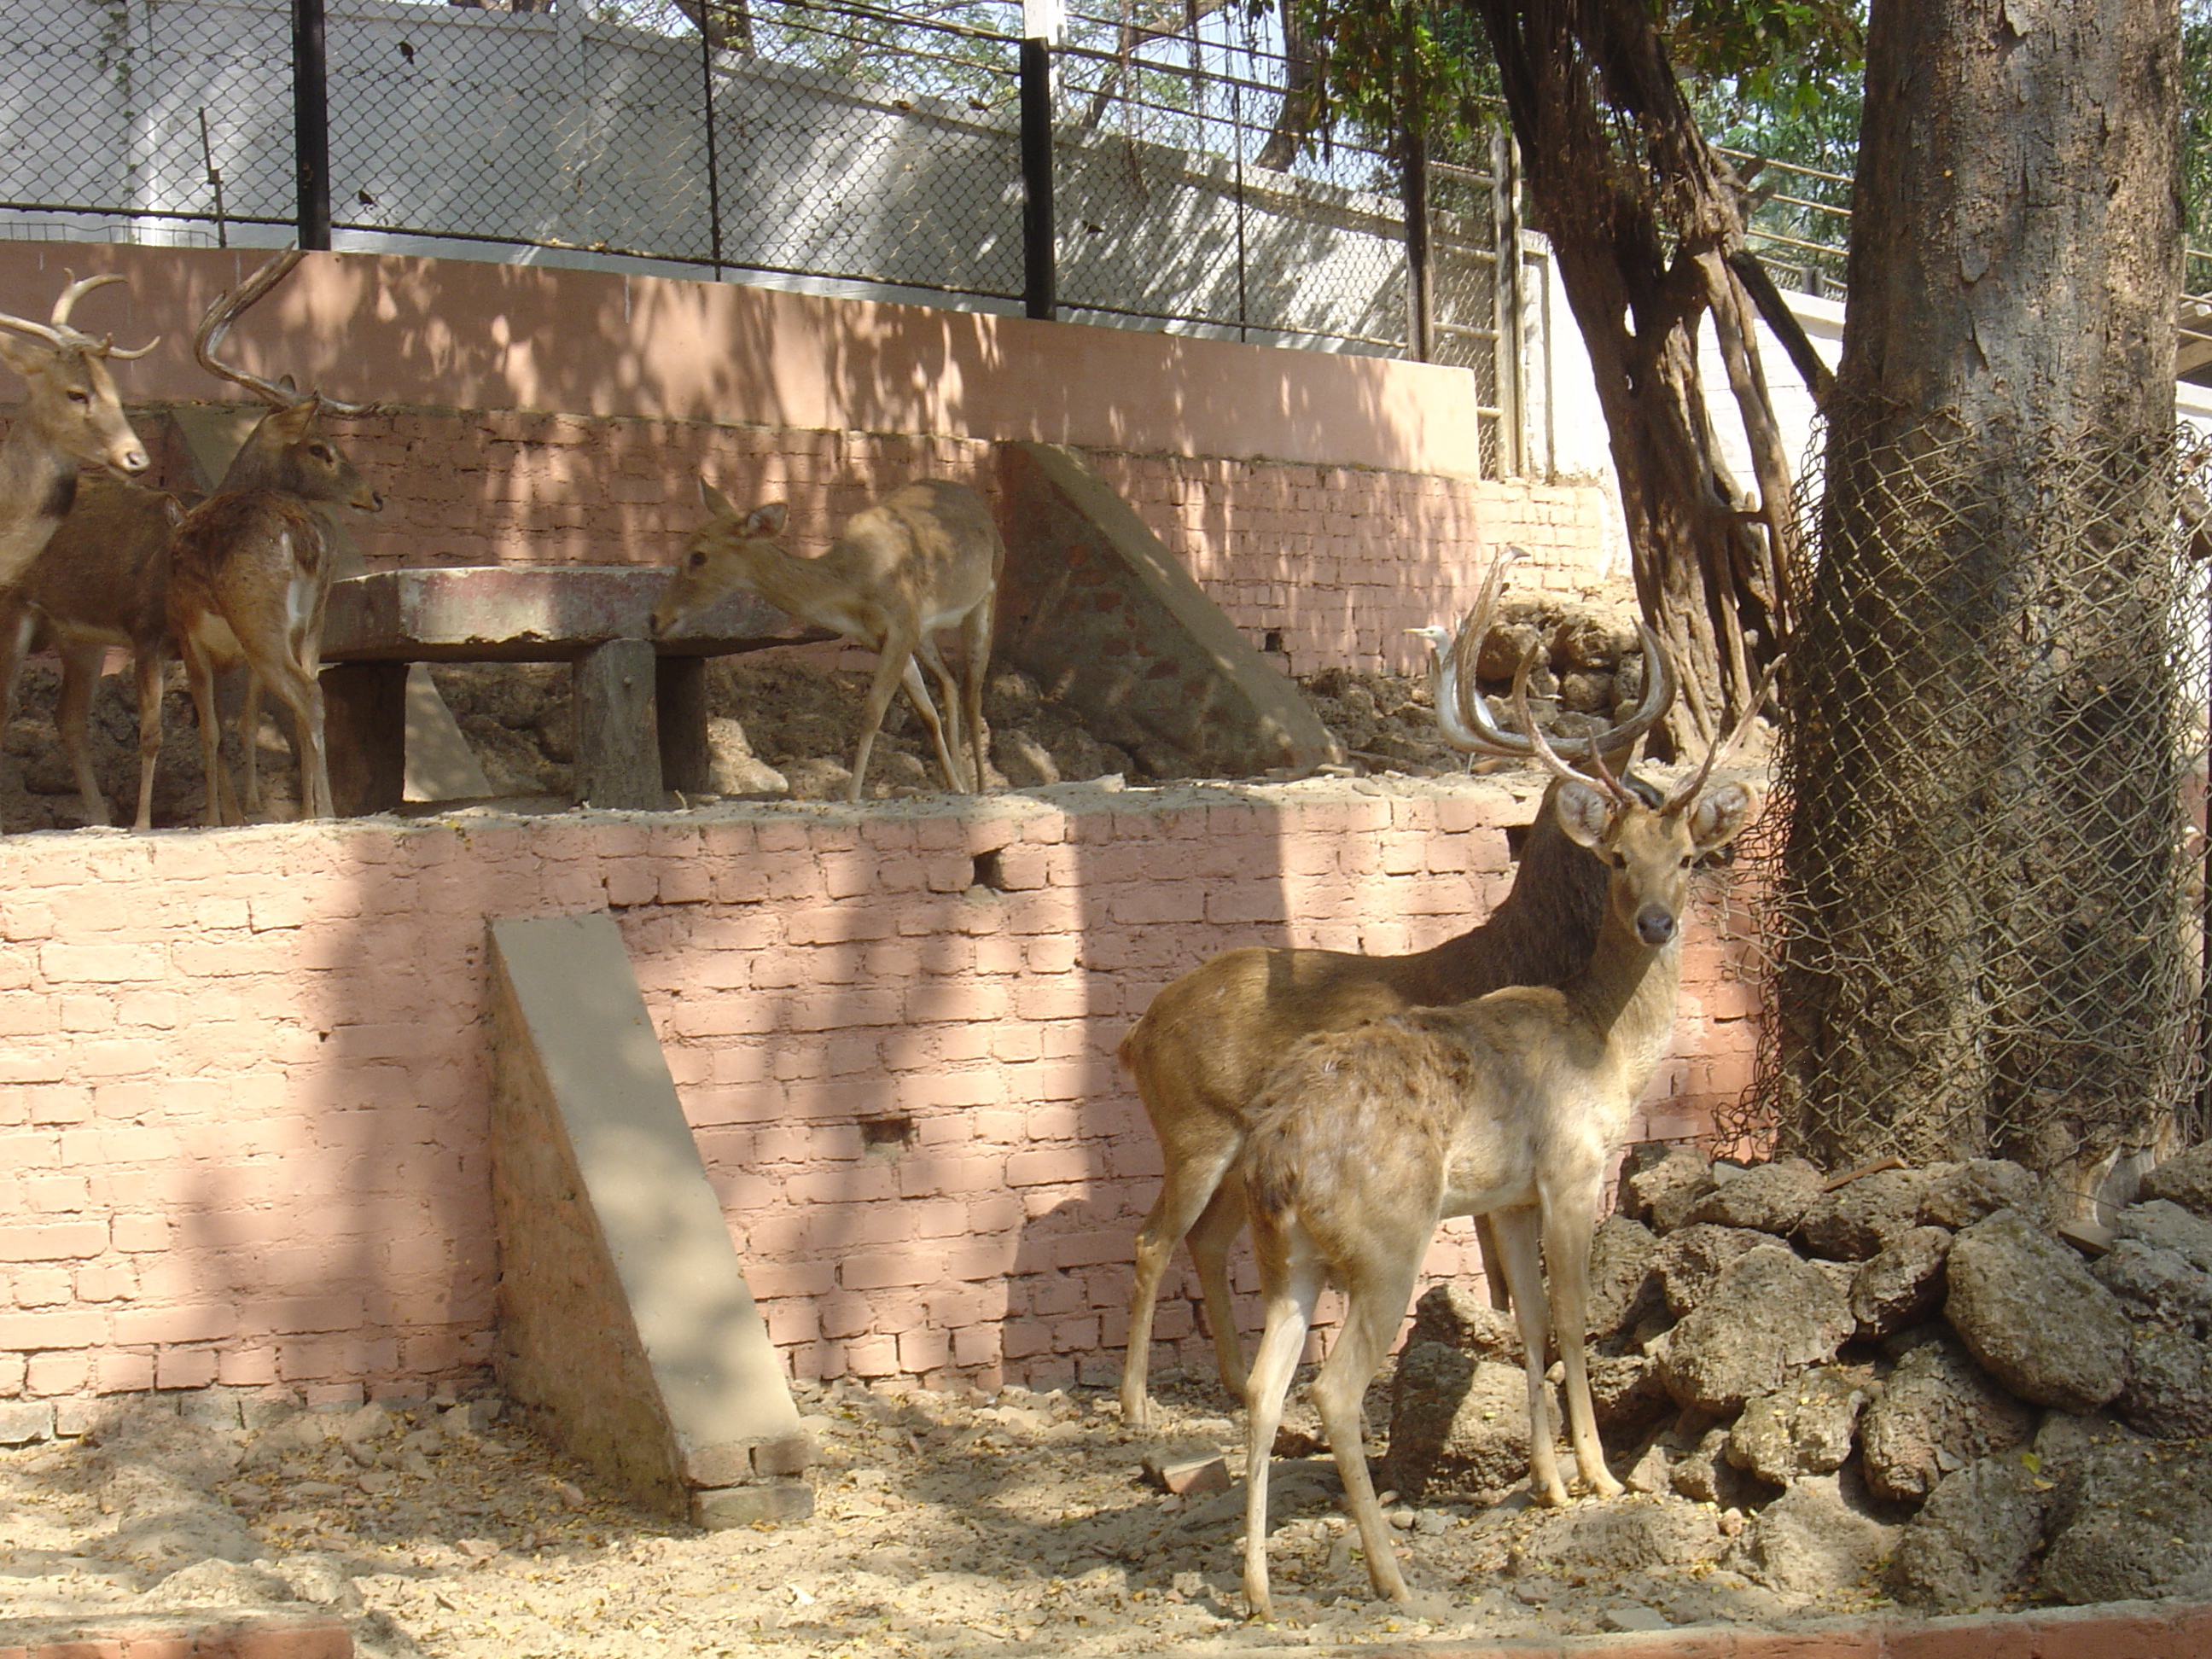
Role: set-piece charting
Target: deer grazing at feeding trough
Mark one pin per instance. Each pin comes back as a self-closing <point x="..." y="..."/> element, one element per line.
<point x="102" y="581"/>
<point x="250" y="567"/>
<point x="1512" y="1105"/>
<point x="925" y="558"/>
<point x="72" y="417"/>
<point x="1198" y="1054"/>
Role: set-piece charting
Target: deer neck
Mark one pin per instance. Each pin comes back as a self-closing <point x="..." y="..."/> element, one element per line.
<point x="804" y="588"/>
<point x="37" y="485"/>
<point x="1627" y="994"/>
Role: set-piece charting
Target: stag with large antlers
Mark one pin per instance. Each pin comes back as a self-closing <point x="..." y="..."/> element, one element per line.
<point x="1513" y="1105"/>
<point x="72" y="417"/>
<point x="250" y="567"/>
<point x="1199" y="1051"/>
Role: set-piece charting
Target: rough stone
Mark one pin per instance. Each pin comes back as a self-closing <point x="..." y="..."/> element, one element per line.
<point x="1658" y="1194"/>
<point x="1458" y="1423"/>
<point x="1937" y="1412"/>
<point x="1806" y="1429"/>
<point x="1626" y="1536"/>
<point x="2032" y="1316"/>
<point x="733" y="768"/>
<point x="1903" y="1286"/>
<point x="1688" y="1263"/>
<point x="1818" y="1538"/>
<point x="2169" y="1391"/>
<point x="1959" y="1195"/>
<point x="2132" y="1521"/>
<point x="1623" y="1294"/>
<point x="1628" y="1397"/>
<point x="1704" y="1475"/>
<point x="2185" y="1180"/>
<point x="2165" y="1225"/>
<point x="1769" y="1316"/>
<point x="1770" y="1197"/>
<point x="1863" y="1217"/>
<point x="1976" y="1538"/>
<point x="2157" y="1287"/>
<point x="1449" y="1313"/>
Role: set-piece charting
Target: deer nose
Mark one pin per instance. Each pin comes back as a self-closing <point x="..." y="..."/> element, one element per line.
<point x="1654" y="925"/>
<point x="133" y="460"/>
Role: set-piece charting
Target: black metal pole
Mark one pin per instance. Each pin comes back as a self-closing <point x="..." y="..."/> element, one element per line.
<point x="311" y="123"/>
<point x="1420" y="306"/>
<point x="714" y="153"/>
<point x="1040" y="270"/>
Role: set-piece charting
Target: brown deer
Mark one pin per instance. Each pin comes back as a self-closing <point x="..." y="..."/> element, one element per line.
<point x="102" y="581"/>
<point x="926" y="556"/>
<point x="1512" y="1105"/>
<point x="72" y="417"/>
<point x="1199" y="1052"/>
<point x="250" y="567"/>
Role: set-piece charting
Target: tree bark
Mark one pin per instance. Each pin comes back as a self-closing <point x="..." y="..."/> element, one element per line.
<point x="1642" y="220"/>
<point x="1982" y="944"/>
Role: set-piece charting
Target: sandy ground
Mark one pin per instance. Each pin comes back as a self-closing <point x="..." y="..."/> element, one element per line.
<point x="1015" y="1523"/>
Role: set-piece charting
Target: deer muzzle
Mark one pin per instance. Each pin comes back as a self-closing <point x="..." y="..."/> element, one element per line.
<point x="1654" y="925"/>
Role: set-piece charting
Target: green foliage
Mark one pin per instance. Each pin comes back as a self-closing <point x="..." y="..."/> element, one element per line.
<point x="2197" y="141"/>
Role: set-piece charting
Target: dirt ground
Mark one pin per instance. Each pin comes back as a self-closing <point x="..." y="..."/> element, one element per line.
<point x="1012" y="1523"/>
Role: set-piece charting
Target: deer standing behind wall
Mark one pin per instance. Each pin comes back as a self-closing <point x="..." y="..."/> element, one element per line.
<point x="1199" y="1051"/>
<point x="250" y="567"/>
<point x="926" y="556"/>
<point x="1513" y="1105"/>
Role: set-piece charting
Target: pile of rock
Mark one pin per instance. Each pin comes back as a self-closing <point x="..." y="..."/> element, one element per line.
<point x="1905" y="1383"/>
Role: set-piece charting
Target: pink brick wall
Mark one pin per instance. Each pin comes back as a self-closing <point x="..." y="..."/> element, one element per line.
<point x="243" y="1073"/>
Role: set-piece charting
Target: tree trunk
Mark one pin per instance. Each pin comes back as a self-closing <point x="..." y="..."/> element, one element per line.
<point x="1982" y="946"/>
<point x="1295" y="118"/>
<point x="1647" y="243"/>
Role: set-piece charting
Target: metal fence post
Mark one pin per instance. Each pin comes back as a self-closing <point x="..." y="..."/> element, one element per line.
<point x="311" y="123"/>
<point x="1420" y="344"/>
<point x="1041" y="28"/>
<point x="714" y="148"/>
<point x="1512" y="344"/>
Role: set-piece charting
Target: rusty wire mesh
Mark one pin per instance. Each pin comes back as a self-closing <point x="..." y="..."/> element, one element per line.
<point x="1984" y="928"/>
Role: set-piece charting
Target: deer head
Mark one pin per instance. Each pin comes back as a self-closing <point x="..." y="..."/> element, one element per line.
<point x="73" y="403"/>
<point x="287" y="449"/>
<point x="727" y="552"/>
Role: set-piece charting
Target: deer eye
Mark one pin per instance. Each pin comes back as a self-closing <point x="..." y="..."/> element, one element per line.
<point x="320" y="452"/>
<point x="79" y="395"/>
<point x="698" y="559"/>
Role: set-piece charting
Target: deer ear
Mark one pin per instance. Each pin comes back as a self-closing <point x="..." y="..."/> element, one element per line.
<point x="715" y="502"/>
<point x="1585" y="813"/>
<point x="20" y="355"/>
<point x="765" y="520"/>
<point x="1719" y="816"/>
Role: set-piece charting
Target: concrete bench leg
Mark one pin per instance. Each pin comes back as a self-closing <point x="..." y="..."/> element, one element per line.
<point x="365" y="729"/>
<point x="680" y="695"/>
<point x="617" y="738"/>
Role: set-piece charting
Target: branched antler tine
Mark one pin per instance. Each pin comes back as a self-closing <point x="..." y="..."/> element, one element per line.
<point x="109" y="350"/>
<point x="37" y="331"/>
<point x="226" y="309"/>
<point x="78" y="289"/>
<point x="1720" y="751"/>
<point x="1540" y="747"/>
<point x="1462" y="717"/>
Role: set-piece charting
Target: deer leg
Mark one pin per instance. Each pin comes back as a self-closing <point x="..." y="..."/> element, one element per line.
<point x="975" y="665"/>
<point x="1292" y="1277"/>
<point x="199" y="674"/>
<point x="1517" y="1234"/>
<point x="249" y="740"/>
<point x="301" y="692"/>
<point x="19" y="626"/>
<point x="1493" y="1267"/>
<point x="146" y="666"/>
<point x="1188" y="1189"/>
<point x="1375" y="1309"/>
<point x="955" y="736"/>
<point x="918" y="694"/>
<point x="1567" y="1230"/>
<point x="893" y="663"/>
<point x="1219" y="1224"/>
<point x="73" y="719"/>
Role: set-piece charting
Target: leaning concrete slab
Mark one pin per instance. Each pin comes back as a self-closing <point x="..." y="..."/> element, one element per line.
<point x="1097" y="610"/>
<point x="626" y="1330"/>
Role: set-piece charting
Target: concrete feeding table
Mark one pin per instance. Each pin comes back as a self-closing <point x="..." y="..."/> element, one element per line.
<point x="641" y="703"/>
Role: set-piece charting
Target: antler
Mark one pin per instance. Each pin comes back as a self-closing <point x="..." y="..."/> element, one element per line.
<point x="1465" y="719"/>
<point x="1540" y="747"/>
<point x="227" y="308"/>
<point x="1719" y="751"/>
<point x="56" y="331"/>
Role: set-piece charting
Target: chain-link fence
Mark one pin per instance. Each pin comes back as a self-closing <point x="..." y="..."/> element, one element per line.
<point x="1986" y="928"/>
<point x="828" y="145"/>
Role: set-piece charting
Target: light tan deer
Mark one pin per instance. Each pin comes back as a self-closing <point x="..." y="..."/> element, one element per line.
<point x="1513" y="1105"/>
<point x="71" y="417"/>
<point x="250" y="567"/>
<point x="926" y="556"/>
<point x="102" y="581"/>
<point x="1198" y="1054"/>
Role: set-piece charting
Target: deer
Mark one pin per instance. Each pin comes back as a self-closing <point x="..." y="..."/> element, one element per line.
<point x="1199" y="1052"/>
<point x="925" y="558"/>
<point x="250" y="567"/>
<point x="102" y="581"/>
<point x="1512" y="1105"/>
<point x="72" y="417"/>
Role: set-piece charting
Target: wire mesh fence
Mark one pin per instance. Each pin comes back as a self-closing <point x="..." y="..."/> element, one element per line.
<point x="831" y="144"/>
<point x="1986" y="924"/>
